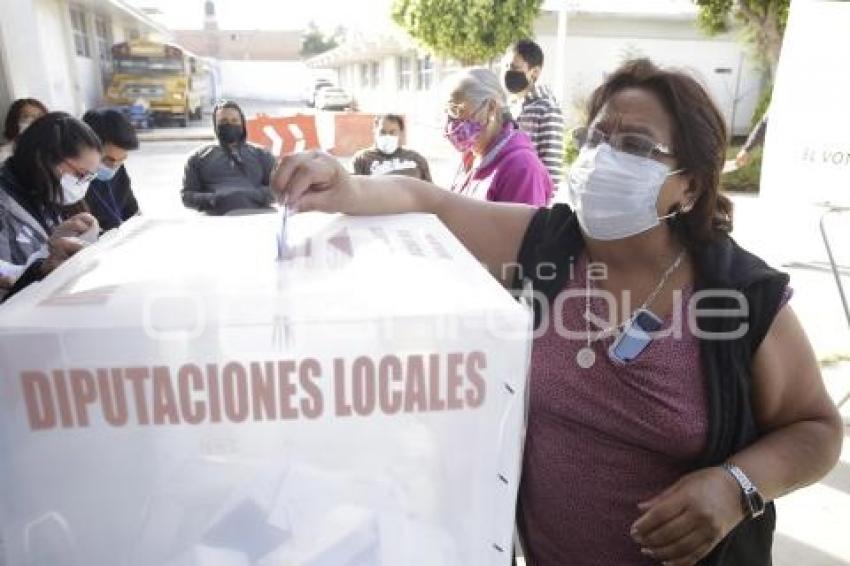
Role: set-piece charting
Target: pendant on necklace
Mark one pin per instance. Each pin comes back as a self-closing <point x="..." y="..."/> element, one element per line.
<point x="586" y="357"/>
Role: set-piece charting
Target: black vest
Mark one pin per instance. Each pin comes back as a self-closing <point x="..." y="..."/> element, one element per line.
<point x="553" y="238"/>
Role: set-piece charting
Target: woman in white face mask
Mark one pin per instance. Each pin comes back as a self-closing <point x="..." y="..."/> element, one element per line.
<point x="54" y="161"/>
<point x="675" y="395"/>
<point x="22" y="113"/>
<point x="388" y="156"/>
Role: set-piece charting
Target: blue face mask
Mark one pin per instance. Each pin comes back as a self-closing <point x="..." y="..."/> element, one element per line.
<point x="105" y="173"/>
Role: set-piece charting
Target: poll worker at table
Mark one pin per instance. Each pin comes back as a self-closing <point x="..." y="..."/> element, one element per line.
<point x="642" y="447"/>
<point x="54" y="161"/>
<point x="110" y="196"/>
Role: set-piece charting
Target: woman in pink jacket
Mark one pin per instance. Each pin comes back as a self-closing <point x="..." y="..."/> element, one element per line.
<point x="499" y="163"/>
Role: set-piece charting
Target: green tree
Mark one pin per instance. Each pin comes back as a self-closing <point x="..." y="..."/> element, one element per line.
<point x="763" y="25"/>
<point x="314" y="41"/>
<point x="470" y="31"/>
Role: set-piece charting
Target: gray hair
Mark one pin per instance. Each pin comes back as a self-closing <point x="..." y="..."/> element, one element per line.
<point x="478" y="85"/>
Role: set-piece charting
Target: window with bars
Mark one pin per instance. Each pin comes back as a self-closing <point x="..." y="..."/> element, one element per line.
<point x="376" y="74"/>
<point x="405" y="73"/>
<point x="364" y="75"/>
<point x="80" y="32"/>
<point x="103" y="37"/>
<point x="425" y="73"/>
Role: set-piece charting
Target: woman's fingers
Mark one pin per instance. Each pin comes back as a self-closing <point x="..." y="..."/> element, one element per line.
<point x="662" y="512"/>
<point x="74" y="226"/>
<point x="300" y="179"/>
<point x="669" y="532"/>
<point x="282" y="173"/>
<point x="301" y="172"/>
<point x="680" y="549"/>
<point x="63" y="248"/>
<point x="86" y="219"/>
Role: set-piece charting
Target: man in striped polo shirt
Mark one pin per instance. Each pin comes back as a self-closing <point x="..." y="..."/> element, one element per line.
<point x="540" y="116"/>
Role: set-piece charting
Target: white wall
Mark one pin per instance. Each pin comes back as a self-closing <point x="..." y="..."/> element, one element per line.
<point x="274" y="81"/>
<point x="423" y="109"/>
<point x="38" y="53"/>
<point x="91" y="89"/>
<point x="22" y="51"/>
<point x="597" y="47"/>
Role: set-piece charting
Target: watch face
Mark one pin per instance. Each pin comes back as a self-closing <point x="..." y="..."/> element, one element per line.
<point x="756" y="503"/>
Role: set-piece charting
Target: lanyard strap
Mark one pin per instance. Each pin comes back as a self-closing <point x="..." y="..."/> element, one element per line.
<point x="113" y="208"/>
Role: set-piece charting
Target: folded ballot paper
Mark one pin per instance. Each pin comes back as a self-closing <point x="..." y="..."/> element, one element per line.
<point x="181" y="393"/>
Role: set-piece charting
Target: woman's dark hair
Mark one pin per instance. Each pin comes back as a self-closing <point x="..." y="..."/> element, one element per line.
<point x="111" y="126"/>
<point x="49" y="141"/>
<point x="11" y="129"/>
<point x="699" y="141"/>
<point x="397" y="118"/>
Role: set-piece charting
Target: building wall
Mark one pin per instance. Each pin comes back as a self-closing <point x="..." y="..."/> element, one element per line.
<point x="39" y="56"/>
<point x="234" y="45"/>
<point x="5" y="87"/>
<point x="20" y="49"/>
<point x="422" y="106"/>
<point x="54" y="40"/>
<point x="274" y="81"/>
<point x="595" y="46"/>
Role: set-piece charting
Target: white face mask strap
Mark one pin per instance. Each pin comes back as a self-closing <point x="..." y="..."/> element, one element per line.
<point x="683" y="209"/>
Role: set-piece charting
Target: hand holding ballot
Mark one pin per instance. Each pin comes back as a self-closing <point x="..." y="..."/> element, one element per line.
<point x="68" y="238"/>
<point x="314" y="180"/>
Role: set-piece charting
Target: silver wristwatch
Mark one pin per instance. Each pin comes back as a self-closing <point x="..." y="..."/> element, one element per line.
<point x="751" y="499"/>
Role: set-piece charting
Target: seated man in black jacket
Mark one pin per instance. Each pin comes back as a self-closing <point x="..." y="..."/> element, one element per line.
<point x="231" y="174"/>
<point x="110" y="198"/>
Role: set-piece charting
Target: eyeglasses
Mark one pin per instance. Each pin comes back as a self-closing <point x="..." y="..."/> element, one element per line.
<point x="454" y="110"/>
<point x="83" y="177"/>
<point x="627" y="142"/>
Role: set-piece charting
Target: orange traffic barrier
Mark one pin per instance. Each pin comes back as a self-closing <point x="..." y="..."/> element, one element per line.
<point x="284" y="134"/>
<point x="353" y="132"/>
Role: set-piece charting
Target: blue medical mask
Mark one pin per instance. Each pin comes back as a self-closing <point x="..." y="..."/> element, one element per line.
<point x="105" y="173"/>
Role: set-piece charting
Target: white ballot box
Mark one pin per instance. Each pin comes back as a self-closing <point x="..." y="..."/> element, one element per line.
<point x="176" y="395"/>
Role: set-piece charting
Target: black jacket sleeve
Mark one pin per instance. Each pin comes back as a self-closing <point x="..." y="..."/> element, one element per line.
<point x="195" y="194"/>
<point x="129" y="204"/>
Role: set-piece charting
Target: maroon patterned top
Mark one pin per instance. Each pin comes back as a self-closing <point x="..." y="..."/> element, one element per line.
<point x="603" y="439"/>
